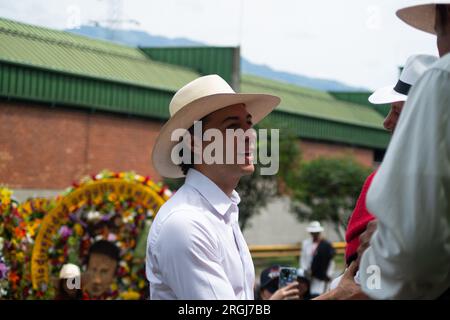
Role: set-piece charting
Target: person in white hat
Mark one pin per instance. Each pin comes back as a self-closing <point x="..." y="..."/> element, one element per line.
<point x="409" y="253"/>
<point x="69" y="284"/>
<point x="316" y="258"/>
<point x="195" y="248"/>
<point x="396" y="95"/>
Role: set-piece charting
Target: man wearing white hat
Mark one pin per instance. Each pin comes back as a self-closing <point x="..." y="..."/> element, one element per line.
<point x="195" y="248"/>
<point x="361" y="219"/>
<point x="69" y="284"/>
<point x="316" y="258"/>
<point x="409" y="253"/>
<point x="397" y="94"/>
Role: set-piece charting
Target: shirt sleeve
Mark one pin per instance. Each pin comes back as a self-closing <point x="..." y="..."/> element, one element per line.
<point x="189" y="259"/>
<point x="303" y="256"/>
<point x="409" y="256"/>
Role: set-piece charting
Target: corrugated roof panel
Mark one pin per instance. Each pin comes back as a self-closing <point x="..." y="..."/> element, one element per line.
<point x="65" y="52"/>
<point x="313" y="103"/>
<point x="205" y="60"/>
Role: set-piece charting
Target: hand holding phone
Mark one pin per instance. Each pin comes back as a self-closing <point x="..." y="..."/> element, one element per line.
<point x="287" y="275"/>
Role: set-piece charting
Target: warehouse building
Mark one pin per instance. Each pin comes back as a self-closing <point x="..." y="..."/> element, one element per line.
<point x="72" y="106"/>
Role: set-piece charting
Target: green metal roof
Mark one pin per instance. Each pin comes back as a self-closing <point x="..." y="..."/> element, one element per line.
<point x="361" y="98"/>
<point x="60" y="68"/>
<point x="224" y="61"/>
<point x="77" y="55"/>
<point x="313" y="103"/>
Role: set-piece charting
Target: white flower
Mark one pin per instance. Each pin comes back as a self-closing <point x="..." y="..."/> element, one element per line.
<point x="93" y="215"/>
<point x="2" y="241"/>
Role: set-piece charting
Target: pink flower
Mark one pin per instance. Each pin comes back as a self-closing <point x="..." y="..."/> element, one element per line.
<point x="65" y="232"/>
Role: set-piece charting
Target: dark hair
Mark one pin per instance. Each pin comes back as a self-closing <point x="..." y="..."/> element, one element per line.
<point x="106" y="248"/>
<point x="184" y="166"/>
<point x="442" y="12"/>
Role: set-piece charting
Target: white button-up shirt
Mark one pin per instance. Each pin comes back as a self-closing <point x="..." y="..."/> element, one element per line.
<point x="195" y="248"/>
<point x="409" y="256"/>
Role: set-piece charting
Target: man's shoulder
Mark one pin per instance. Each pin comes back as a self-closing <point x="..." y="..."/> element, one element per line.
<point x="432" y="86"/>
<point x="442" y="64"/>
<point x="186" y="199"/>
<point x="182" y="213"/>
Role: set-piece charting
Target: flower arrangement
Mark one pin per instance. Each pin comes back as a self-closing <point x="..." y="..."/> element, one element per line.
<point x="113" y="216"/>
<point x="18" y="227"/>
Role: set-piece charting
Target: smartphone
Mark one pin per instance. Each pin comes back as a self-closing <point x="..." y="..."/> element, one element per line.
<point x="287" y="275"/>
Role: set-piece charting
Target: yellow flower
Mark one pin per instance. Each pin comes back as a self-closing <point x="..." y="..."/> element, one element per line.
<point x="78" y="229"/>
<point x="31" y="231"/>
<point x="112" y="197"/>
<point x="98" y="200"/>
<point x="20" y="256"/>
<point x="26" y="207"/>
<point x="5" y="193"/>
<point x="114" y="286"/>
<point x="130" y="295"/>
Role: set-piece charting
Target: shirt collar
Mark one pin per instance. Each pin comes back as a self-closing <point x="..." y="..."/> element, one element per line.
<point x="211" y="192"/>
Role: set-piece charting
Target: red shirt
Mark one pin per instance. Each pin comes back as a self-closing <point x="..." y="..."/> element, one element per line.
<point x="358" y="221"/>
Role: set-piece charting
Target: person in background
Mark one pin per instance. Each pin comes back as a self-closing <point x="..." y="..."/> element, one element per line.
<point x="395" y="95"/>
<point x="410" y="192"/>
<point x="316" y="259"/>
<point x="407" y="254"/>
<point x="69" y="283"/>
<point x="269" y="288"/>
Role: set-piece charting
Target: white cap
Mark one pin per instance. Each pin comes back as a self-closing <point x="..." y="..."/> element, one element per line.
<point x="314" y="227"/>
<point x="415" y="66"/>
<point x="69" y="271"/>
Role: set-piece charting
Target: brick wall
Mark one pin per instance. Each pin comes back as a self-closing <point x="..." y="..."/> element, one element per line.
<point x="49" y="148"/>
<point x="312" y="150"/>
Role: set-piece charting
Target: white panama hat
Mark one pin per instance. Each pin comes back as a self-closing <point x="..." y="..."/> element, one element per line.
<point x="314" y="227"/>
<point x="421" y="16"/>
<point x="69" y="271"/>
<point x="196" y="100"/>
<point x="415" y="66"/>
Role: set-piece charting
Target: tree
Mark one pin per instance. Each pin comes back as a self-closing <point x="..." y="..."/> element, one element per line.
<point x="255" y="191"/>
<point x="327" y="190"/>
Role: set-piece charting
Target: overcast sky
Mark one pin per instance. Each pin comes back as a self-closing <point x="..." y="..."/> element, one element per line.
<point x="358" y="42"/>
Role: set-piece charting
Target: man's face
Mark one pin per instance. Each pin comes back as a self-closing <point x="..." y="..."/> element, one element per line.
<point x="390" y="122"/>
<point x="101" y="271"/>
<point x="233" y="118"/>
<point x="315" y="236"/>
<point x="442" y="28"/>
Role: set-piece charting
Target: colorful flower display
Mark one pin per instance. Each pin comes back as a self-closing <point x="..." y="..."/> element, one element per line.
<point x="113" y="216"/>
